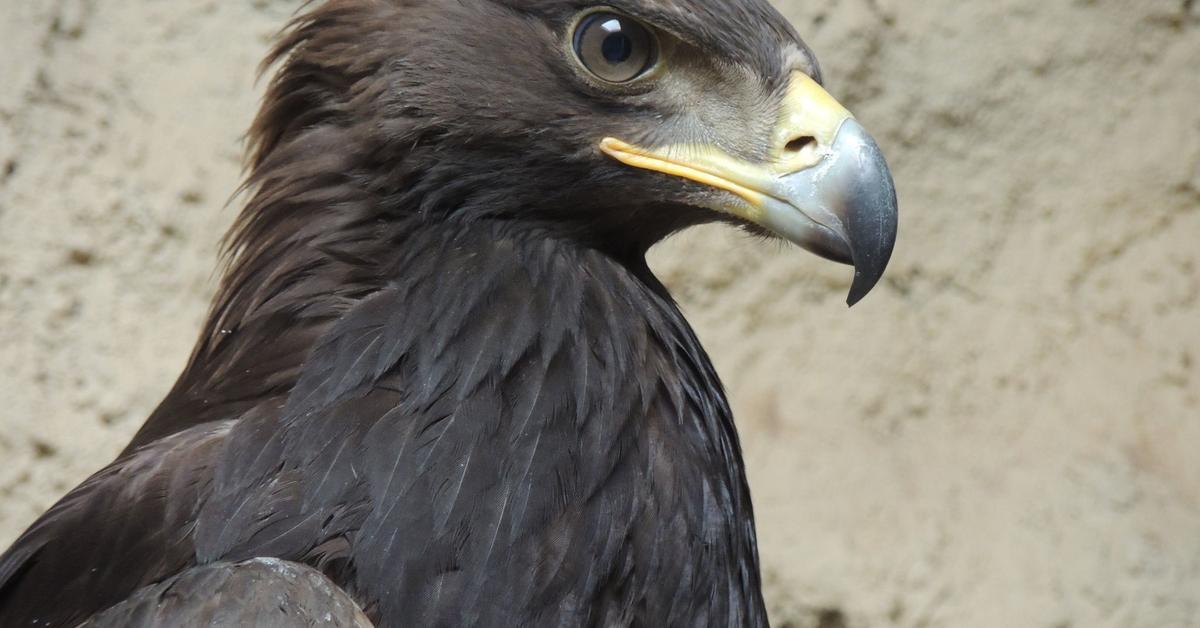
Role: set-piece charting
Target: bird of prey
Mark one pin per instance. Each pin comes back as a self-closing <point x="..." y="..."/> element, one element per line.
<point x="439" y="385"/>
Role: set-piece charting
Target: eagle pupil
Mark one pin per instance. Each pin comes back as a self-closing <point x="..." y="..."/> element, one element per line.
<point x="617" y="48"/>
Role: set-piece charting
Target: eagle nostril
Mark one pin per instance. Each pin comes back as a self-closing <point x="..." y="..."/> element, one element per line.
<point x="799" y="145"/>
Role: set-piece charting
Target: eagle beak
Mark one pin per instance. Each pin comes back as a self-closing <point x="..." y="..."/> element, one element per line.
<point x="826" y="186"/>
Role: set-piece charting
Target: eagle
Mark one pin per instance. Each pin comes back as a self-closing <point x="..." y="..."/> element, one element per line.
<point x="439" y="385"/>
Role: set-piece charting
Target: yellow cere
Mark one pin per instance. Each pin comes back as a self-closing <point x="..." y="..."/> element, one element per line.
<point x="808" y="110"/>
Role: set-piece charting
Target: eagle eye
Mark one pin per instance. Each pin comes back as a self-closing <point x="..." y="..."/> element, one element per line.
<point x="614" y="48"/>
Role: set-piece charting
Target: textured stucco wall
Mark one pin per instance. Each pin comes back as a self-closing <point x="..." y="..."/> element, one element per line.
<point x="1007" y="433"/>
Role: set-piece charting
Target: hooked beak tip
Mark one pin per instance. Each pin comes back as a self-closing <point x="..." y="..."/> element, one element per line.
<point x="872" y="225"/>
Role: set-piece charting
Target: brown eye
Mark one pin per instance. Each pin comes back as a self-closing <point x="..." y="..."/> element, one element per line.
<point x="615" y="48"/>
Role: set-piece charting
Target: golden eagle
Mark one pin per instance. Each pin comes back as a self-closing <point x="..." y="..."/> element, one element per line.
<point x="439" y="385"/>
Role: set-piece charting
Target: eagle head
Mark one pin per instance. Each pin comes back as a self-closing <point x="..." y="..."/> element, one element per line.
<point x="617" y="122"/>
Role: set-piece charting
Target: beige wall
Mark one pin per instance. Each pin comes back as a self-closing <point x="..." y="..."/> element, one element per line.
<point x="1007" y="433"/>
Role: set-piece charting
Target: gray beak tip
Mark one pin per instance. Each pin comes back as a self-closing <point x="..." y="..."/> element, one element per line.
<point x="863" y="284"/>
<point x="872" y="219"/>
<point x="856" y="292"/>
<point x="872" y="238"/>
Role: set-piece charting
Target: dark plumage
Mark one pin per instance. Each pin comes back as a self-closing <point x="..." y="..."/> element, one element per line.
<point x="438" y="373"/>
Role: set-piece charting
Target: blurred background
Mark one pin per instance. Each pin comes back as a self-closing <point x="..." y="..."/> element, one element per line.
<point x="1006" y="433"/>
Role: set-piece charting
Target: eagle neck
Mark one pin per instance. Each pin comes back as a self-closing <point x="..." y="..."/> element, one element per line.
<point x="516" y="348"/>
